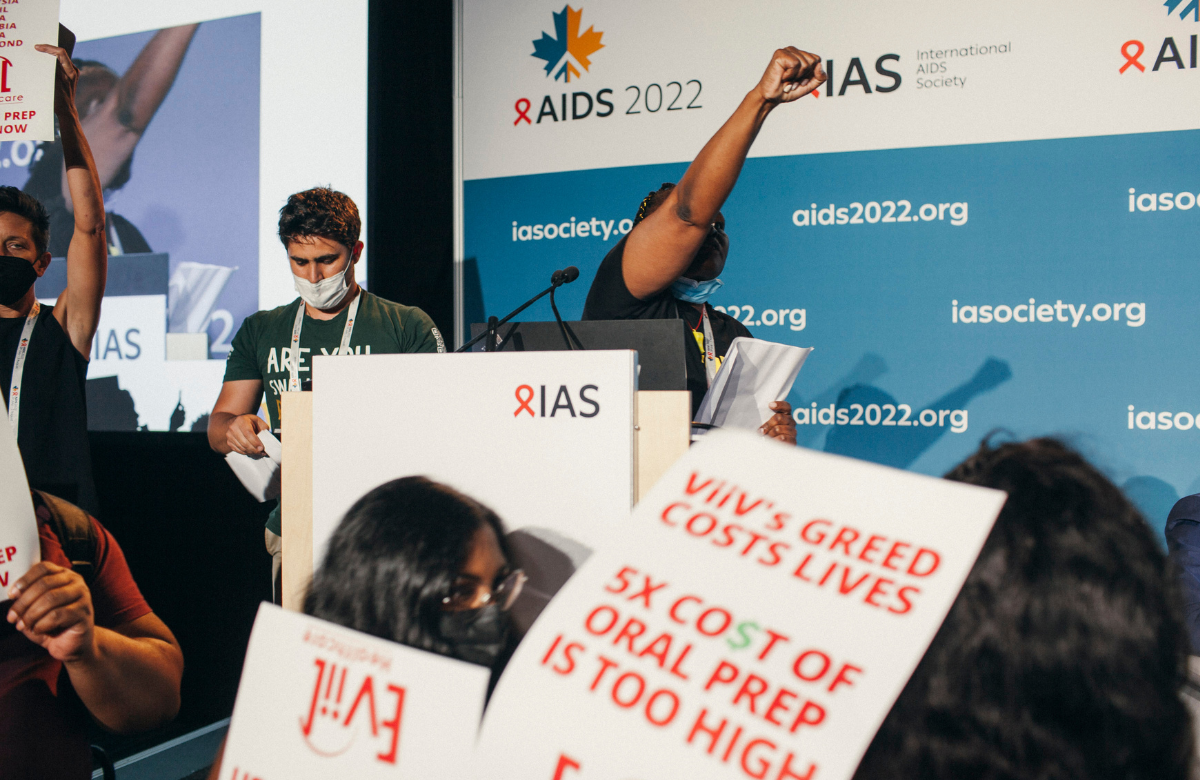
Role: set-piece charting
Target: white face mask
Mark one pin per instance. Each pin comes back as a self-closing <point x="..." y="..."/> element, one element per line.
<point x="326" y="293"/>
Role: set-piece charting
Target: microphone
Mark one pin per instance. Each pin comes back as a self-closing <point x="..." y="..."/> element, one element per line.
<point x="557" y="279"/>
<point x="565" y="276"/>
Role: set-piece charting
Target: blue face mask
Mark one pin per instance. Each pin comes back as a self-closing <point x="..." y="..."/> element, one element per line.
<point x="695" y="292"/>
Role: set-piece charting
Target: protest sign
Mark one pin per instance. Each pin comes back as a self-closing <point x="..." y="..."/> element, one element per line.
<point x="27" y="75"/>
<point x="19" y="547"/>
<point x="317" y="700"/>
<point x="755" y="618"/>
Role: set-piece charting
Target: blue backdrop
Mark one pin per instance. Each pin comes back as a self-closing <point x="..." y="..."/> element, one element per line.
<point x="897" y="310"/>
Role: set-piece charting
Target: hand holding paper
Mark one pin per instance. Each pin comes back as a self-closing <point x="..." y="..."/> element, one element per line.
<point x="754" y="374"/>
<point x="260" y="474"/>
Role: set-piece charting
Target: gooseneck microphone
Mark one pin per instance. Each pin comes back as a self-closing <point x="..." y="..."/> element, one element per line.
<point x="557" y="279"/>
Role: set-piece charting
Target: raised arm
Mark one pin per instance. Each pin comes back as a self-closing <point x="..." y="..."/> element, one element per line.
<point x="662" y="246"/>
<point x="78" y="307"/>
<point x="116" y="125"/>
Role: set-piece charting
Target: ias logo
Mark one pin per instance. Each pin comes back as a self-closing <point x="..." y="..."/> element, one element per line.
<point x="569" y="48"/>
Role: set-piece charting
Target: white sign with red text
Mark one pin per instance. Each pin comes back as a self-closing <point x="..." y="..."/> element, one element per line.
<point x="754" y="620"/>
<point x="317" y="700"/>
<point x="27" y="75"/>
<point x="19" y="546"/>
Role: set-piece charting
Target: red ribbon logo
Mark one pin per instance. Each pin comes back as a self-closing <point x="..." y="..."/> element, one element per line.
<point x="523" y="111"/>
<point x="524" y="402"/>
<point x="1132" y="59"/>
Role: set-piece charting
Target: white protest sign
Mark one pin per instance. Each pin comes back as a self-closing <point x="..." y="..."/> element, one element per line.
<point x="27" y="75"/>
<point x="543" y="438"/>
<point x="19" y="546"/>
<point x="317" y="700"/>
<point x="756" y="618"/>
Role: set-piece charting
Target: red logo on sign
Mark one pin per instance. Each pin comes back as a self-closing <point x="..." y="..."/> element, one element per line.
<point x="337" y="710"/>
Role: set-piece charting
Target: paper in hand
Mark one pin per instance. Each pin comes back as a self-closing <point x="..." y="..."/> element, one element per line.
<point x="19" y="546"/>
<point x="753" y="374"/>
<point x="260" y="473"/>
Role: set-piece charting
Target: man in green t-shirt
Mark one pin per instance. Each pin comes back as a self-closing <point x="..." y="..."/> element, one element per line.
<point x="333" y="315"/>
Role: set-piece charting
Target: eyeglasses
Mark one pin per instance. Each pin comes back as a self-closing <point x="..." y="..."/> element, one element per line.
<point x="468" y="594"/>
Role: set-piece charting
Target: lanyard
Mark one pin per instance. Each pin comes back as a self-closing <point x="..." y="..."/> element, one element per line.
<point x="14" y="398"/>
<point x="708" y="353"/>
<point x="344" y="349"/>
<point x="710" y="348"/>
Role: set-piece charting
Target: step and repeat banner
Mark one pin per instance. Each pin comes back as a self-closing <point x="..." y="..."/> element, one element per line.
<point x="191" y="110"/>
<point x="987" y="219"/>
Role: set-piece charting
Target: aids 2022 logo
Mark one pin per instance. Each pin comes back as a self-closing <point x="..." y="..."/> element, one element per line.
<point x="567" y="55"/>
<point x="1172" y="56"/>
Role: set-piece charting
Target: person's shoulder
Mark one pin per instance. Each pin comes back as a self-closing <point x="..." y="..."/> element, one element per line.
<point x="393" y="310"/>
<point x="268" y="318"/>
<point x="1186" y="508"/>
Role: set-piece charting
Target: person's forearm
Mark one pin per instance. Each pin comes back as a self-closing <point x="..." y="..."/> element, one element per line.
<point x="218" y="430"/>
<point x="711" y="176"/>
<point x="128" y="684"/>
<point x="83" y="180"/>
<point x="144" y="86"/>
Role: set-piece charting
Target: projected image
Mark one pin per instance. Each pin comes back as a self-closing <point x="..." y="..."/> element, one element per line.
<point x="172" y="117"/>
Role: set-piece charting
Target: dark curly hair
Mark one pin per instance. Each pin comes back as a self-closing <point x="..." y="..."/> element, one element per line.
<point x="24" y="205"/>
<point x="323" y="212"/>
<point x="1064" y="653"/>
<point x="395" y="556"/>
<point x="652" y="201"/>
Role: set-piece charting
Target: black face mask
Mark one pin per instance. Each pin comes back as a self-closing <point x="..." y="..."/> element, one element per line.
<point x="17" y="275"/>
<point x="477" y="636"/>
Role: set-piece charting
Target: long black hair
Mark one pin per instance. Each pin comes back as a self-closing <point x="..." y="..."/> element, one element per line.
<point x="1064" y="653"/>
<point x="395" y="556"/>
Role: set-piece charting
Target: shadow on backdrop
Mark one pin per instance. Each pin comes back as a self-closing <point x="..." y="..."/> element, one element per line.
<point x="1154" y="499"/>
<point x="900" y="446"/>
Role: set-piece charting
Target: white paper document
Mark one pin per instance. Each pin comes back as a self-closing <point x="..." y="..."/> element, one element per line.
<point x="259" y="474"/>
<point x="19" y="546"/>
<point x="27" y="75"/>
<point x="755" y="618"/>
<point x="317" y="700"/>
<point x="753" y="374"/>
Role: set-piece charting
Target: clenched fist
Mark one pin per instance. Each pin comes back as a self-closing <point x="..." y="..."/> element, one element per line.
<point x="791" y="75"/>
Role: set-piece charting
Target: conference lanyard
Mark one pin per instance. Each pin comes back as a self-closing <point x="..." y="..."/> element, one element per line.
<point x="14" y="398"/>
<point x="344" y="349"/>
<point x="710" y="348"/>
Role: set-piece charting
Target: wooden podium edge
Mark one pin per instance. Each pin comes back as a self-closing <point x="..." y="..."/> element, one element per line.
<point x="662" y="434"/>
<point x="296" y="487"/>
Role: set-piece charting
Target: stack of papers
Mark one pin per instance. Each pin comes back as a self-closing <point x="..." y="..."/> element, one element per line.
<point x="753" y="374"/>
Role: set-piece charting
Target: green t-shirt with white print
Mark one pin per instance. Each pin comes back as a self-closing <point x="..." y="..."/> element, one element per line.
<point x="262" y="347"/>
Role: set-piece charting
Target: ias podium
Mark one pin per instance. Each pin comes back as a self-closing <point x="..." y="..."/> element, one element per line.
<point x="561" y="442"/>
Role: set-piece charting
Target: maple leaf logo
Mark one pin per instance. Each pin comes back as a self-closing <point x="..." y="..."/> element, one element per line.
<point x="1193" y="8"/>
<point x="567" y="47"/>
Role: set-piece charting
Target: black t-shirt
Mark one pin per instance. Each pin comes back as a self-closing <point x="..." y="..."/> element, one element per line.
<point x="610" y="299"/>
<point x="52" y="432"/>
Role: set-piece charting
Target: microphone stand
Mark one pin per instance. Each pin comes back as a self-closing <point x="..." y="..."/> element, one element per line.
<point x="556" y="281"/>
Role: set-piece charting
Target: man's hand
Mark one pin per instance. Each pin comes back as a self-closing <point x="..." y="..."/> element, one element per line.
<point x="66" y="75"/>
<point x="53" y="609"/>
<point x="242" y="435"/>
<point x="781" y="426"/>
<point x="791" y="75"/>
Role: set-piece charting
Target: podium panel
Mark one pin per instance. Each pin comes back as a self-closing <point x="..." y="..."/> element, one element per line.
<point x="544" y="438"/>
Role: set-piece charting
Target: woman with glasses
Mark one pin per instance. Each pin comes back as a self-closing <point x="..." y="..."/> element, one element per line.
<point x="419" y="563"/>
<point x="669" y="264"/>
